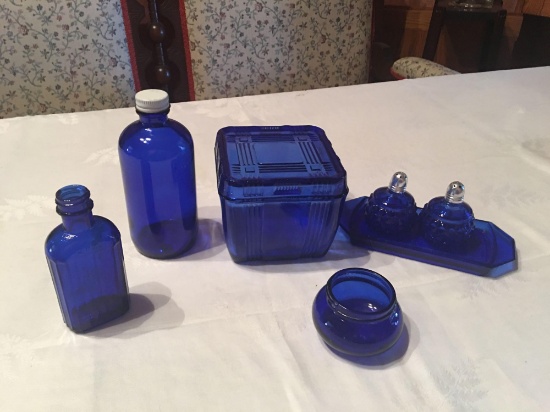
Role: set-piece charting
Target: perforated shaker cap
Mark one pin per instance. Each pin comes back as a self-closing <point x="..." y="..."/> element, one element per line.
<point x="152" y="101"/>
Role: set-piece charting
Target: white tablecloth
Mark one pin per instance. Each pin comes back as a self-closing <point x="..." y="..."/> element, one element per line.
<point x="205" y="333"/>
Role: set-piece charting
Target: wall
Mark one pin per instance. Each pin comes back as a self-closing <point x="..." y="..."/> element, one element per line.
<point x="265" y="46"/>
<point x="72" y="55"/>
<point x="62" y="56"/>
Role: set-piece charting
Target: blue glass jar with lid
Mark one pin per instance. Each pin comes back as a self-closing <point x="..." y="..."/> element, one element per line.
<point x="158" y="172"/>
<point x="281" y="191"/>
<point x="86" y="262"/>
<point x="356" y="313"/>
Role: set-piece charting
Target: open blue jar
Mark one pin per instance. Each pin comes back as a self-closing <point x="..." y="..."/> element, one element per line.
<point x="356" y="313"/>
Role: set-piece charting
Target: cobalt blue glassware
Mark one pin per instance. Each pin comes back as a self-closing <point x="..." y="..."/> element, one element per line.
<point x="281" y="191"/>
<point x="356" y="313"/>
<point x="391" y="210"/>
<point x="85" y="258"/>
<point x="447" y="221"/>
<point x="489" y="251"/>
<point x="158" y="171"/>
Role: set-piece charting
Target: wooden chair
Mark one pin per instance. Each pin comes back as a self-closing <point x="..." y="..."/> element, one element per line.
<point x="158" y="45"/>
<point x="445" y="10"/>
<point x="385" y="66"/>
<point x="208" y="50"/>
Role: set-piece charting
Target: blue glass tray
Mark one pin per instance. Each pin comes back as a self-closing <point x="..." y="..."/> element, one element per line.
<point x="491" y="252"/>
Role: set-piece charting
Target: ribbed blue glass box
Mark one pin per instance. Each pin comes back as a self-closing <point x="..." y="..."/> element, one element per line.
<point x="281" y="190"/>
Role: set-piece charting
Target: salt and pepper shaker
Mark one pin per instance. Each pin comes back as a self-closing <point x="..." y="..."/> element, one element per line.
<point x="447" y="221"/>
<point x="391" y="210"/>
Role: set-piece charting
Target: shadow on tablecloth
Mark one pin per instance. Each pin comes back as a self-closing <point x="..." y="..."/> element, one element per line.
<point x="396" y="354"/>
<point x="148" y="312"/>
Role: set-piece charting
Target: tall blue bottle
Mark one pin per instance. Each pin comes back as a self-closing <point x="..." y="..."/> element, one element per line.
<point x="85" y="258"/>
<point x="158" y="172"/>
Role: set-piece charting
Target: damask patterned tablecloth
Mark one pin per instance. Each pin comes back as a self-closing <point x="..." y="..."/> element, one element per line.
<point x="204" y="333"/>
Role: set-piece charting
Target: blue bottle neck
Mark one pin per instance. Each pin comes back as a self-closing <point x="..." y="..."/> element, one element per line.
<point x="153" y="119"/>
<point x="75" y="208"/>
<point x="78" y="223"/>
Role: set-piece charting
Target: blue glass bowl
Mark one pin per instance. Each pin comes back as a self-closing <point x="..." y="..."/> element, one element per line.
<point x="356" y="313"/>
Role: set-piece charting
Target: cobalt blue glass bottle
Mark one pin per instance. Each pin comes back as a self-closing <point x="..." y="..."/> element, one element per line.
<point x="447" y="222"/>
<point x="85" y="258"/>
<point x="391" y="210"/>
<point x="356" y="313"/>
<point x="158" y="172"/>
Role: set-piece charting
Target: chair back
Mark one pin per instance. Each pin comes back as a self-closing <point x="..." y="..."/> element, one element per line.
<point x="205" y="50"/>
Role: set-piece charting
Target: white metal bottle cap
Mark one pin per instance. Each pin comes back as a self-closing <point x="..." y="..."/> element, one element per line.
<point x="152" y="101"/>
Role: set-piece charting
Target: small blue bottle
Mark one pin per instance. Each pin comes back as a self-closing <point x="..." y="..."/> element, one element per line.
<point x="391" y="210"/>
<point x="447" y="222"/>
<point x="85" y="258"/>
<point x="158" y="171"/>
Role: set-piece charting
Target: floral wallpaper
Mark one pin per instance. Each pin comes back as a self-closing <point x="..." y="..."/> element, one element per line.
<point x="62" y="56"/>
<point x="72" y="55"/>
<point x="264" y="46"/>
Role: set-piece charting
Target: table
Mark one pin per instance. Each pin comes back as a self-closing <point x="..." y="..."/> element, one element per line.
<point x="207" y="334"/>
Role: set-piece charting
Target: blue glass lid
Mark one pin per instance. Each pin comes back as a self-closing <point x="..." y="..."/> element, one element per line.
<point x="277" y="161"/>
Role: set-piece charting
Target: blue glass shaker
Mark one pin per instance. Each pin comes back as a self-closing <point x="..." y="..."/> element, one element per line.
<point x="391" y="210"/>
<point x="158" y="172"/>
<point x="356" y="313"/>
<point x="447" y="222"/>
<point x="85" y="258"/>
